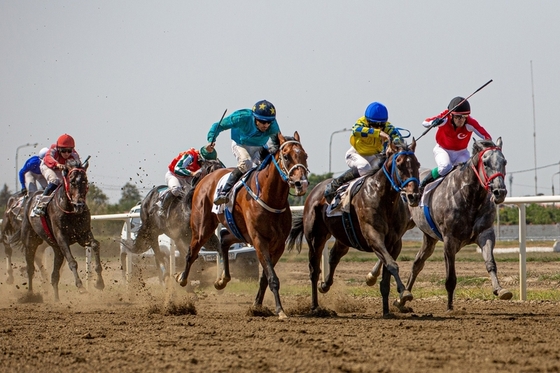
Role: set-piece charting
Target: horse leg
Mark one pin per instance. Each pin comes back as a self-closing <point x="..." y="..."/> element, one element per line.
<point x="40" y="262"/>
<point x="263" y="284"/>
<point x="9" y="268"/>
<point x="335" y="253"/>
<point x="64" y="249"/>
<point x="450" y="248"/>
<point x="486" y="241"/>
<point x="427" y="249"/>
<point x="225" y="277"/>
<point x="55" y="276"/>
<point x="99" y="284"/>
<point x="371" y="277"/>
<point x="268" y="264"/>
<point x="160" y="260"/>
<point x="385" y="289"/>
<point x="30" y="261"/>
<point x="316" y="244"/>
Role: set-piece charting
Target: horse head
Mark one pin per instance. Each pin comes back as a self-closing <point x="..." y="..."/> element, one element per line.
<point x="293" y="163"/>
<point x="489" y="164"/>
<point x="76" y="185"/>
<point x="401" y="168"/>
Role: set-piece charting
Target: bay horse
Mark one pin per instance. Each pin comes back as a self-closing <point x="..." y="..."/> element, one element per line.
<point x="175" y="223"/>
<point x="67" y="221"/>
<point x="260" y="215"/>
<point x="10" y="231"/>
<point x="375" y="222"/>
<point x="461" y="211"/>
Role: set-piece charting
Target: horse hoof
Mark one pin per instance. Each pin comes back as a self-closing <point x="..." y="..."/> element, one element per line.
<point x="10" y="280"/>
<point x="370" y="279"/>
<point x="100" y="285"/>
<point x="504" y="294"/>
<point x="282" y="315"/>
<point x="323" y="288"/>
<point x="181" y="279"/>
<point x="219" y="285"/>
<point x="406" y="296"/>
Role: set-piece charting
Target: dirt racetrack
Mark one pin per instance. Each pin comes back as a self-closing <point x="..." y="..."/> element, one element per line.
<point x="143" y="328"/>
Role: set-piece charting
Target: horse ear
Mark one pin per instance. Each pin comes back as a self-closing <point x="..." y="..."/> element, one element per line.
<point x="281" y="137"/>
<point x="499" y="142"/>
<point x="413" y="145"/>
<point x="296" y="136"/>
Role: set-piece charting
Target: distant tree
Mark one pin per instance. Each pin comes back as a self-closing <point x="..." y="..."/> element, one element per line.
<point x="313" y="181"/>
<point x="129" y="197"/>
<point x="4" y="195"/>
<point x="96" y="200"/>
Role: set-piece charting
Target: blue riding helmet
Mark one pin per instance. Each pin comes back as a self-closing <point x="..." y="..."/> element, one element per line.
<point x="264" y="110"/>
<point x="377" y="112"/>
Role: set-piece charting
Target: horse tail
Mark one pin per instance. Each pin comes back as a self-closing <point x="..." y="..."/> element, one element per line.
<point x="296" y="234"/>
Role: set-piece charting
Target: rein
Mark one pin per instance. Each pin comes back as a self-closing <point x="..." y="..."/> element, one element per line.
<point x="284" y="174"/>
<point x="481" y="174"/>
<point x="395" y="175"/>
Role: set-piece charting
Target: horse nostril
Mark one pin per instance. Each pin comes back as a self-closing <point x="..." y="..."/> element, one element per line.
<point x="298" y="184"/>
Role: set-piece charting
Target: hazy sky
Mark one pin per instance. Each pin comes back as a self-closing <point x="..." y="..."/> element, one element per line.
<point x="136" y="82"/>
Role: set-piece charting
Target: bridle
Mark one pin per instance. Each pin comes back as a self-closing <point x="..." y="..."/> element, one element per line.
<point x="394" y="177"/>
<point x="66" y="180"/>
<point x="480" y="169"/>
<point x="284" y="174"/>
<point x="283" y="169"/>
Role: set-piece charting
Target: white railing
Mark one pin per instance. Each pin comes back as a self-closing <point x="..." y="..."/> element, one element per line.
<point x="520" y="202"/>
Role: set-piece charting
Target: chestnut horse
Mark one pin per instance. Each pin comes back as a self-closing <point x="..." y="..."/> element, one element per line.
<point x="376" y="221"/>
<point x="67" y="221"/>
<point x="260" y="214"/>
<point x="461" y="211"/>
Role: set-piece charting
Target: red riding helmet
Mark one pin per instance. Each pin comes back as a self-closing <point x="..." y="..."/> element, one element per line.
<point x="65" y="141"/>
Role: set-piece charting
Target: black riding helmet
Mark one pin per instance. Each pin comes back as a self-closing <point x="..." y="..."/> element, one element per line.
<point x="463" y="108"/>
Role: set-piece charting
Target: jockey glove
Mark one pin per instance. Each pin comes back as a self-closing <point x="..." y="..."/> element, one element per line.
<point x="436" y="122"/>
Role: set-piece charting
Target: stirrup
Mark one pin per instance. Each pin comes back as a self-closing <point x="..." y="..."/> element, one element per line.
<point x="221" y="199"/>
<point x="39" y="210"/>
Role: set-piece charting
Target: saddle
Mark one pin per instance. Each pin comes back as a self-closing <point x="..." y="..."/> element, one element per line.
<point x="343" y="197"/>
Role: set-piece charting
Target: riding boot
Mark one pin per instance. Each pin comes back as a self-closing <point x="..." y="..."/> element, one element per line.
<point x="40" y="208"/>
<point x="332" y="187"/>
<point x="223" y="193"/>
<point x="164" y="203"/>
<point x="432" y="176"/>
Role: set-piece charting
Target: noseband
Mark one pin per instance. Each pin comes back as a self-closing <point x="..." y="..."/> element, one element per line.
<point x="394" y="177"/>
<point x="481" y="174"/>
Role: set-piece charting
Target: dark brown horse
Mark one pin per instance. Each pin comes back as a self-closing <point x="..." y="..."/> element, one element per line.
<point x="376" y="221"/>
<point x="175" y="223"/>
<point x="67" y="221"/>
<point x="10" y="231"/>
<point x="461" y="211"/>
<point x="260" y="215"/>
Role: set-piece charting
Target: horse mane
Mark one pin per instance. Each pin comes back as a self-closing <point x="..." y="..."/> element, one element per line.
<point x="482" y="144"/>
<point x="73" y="163"/>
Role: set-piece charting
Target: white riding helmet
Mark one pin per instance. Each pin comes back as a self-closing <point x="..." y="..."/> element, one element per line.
<point x="42" y="152"/>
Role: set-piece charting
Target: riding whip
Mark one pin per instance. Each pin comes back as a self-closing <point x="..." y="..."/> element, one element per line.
<point x="455" y="107"/>
<point x="220" y="122"/>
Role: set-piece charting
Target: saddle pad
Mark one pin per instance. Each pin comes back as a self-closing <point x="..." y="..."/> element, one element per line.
<point x="219" y="209"/>
<point x="428" y="191"/>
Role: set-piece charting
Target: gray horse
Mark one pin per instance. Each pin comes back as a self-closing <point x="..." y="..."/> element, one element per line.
<point x="175" y="224"/>
<point x="461" y="211"/>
